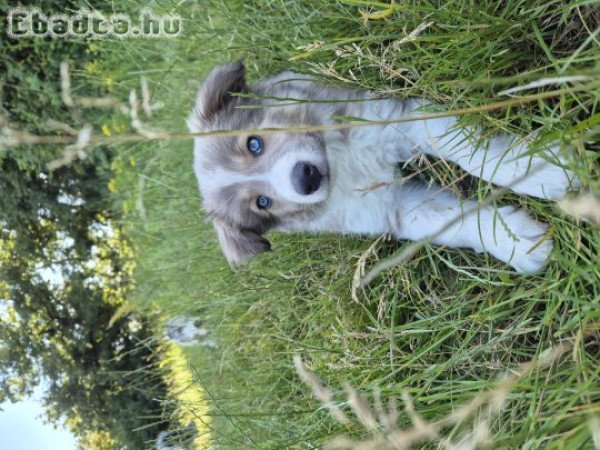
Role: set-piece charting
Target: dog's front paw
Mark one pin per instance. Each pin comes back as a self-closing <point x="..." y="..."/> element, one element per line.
<point x="545" y="180"/>
<point x="520" y="240"/>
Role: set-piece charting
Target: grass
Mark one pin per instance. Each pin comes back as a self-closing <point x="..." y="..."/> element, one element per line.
<point x="442" y="326"/>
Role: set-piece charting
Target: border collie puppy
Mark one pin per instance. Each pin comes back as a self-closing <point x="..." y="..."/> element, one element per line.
<point x="343" y="180"/>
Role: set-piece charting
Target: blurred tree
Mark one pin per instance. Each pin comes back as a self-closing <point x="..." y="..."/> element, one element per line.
<point x="97" y="441"/>
<point x="65" y="268"/>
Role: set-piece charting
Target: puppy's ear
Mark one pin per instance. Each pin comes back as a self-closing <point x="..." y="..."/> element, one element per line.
<point x="238" y="244"/>
<point x="215" y="93"/>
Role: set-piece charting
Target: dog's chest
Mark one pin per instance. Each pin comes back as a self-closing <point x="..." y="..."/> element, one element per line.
<point x="361" y="162"/>
<point x="362" y="185"/>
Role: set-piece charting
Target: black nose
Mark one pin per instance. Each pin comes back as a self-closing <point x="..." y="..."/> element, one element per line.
<point x="306" y="178"/>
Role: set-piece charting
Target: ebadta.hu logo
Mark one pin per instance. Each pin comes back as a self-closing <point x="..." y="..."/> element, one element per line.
<point x="32" y="23"/>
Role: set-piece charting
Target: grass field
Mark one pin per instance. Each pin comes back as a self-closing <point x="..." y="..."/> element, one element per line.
<point x="443" y="326"/>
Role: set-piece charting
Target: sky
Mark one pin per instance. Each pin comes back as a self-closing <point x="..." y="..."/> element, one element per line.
<point x="22" y="428"/>
<point x="21" y="424"/>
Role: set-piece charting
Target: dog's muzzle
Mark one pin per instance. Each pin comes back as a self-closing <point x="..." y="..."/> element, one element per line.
<point x="306" y="178"/>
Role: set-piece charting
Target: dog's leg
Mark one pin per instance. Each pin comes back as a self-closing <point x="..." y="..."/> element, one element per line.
<point x="507" y="233"/>
<point x="504" y="160"/>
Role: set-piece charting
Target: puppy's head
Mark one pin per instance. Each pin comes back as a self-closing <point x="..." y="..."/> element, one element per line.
<point x="256" y="181"/>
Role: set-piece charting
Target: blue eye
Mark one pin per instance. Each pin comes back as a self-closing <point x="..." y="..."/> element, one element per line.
<point x="255" y="145"/>
<point x="263" y="202"/>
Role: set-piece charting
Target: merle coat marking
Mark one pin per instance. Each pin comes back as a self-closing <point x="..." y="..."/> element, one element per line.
<point x="324" y="181"/>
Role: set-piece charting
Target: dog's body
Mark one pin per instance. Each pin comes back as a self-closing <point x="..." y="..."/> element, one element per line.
<point x="188" y="331"/>
<point x="343" y="180"/>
